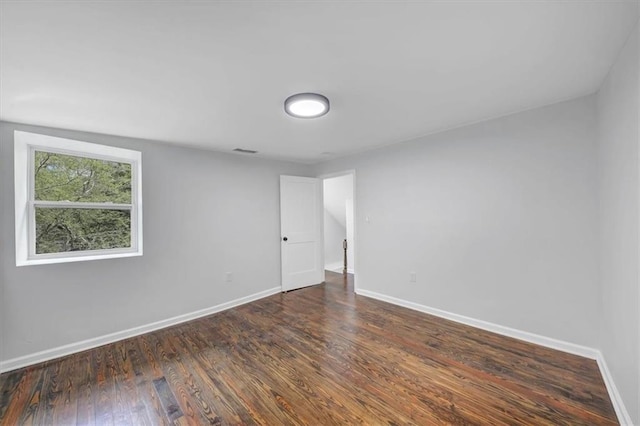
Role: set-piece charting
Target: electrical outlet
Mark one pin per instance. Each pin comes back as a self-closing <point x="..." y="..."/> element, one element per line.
<point x="229" y="277"/>
<point x="412" y="277"/>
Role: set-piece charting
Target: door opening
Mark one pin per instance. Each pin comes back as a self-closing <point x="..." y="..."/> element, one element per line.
<point x="339" y="224"/>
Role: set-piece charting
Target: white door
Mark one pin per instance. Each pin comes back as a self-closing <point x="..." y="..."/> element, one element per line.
<point x="301" y="232"/>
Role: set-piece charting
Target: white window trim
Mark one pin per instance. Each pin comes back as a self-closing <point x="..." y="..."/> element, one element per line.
<point x="25" y="144"/>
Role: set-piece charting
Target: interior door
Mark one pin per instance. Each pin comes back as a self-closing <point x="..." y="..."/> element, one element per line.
<point x="301" y="238"/>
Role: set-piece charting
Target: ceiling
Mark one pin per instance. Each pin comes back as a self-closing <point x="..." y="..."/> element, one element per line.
<point x="215" y="74"/>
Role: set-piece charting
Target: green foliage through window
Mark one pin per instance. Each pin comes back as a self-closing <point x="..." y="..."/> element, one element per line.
<point x="60" y="177"/>
<point x="63" y="230"/>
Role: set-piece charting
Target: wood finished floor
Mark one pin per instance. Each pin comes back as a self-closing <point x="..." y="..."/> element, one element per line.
<point x="316" y="356"/>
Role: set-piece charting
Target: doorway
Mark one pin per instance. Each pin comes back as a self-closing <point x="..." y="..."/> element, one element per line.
<point x="339" y="224"/>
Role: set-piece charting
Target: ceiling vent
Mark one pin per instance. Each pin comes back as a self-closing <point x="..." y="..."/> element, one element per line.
<point x="245" y="151"/>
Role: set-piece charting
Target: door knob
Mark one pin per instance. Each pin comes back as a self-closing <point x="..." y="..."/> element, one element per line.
<point x="285" y="239"/>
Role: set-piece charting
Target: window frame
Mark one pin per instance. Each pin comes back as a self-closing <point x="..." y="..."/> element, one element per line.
<point x="25" y="146"/>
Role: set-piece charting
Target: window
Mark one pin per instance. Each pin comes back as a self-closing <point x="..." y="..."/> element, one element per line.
<point x="75" y="200"/>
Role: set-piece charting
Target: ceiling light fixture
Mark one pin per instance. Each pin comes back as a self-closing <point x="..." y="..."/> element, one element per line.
<point x="306" y="105"/>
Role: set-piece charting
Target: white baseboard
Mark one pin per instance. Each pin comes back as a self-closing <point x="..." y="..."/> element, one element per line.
<point x="584" y="351"/>
<point x="621" y="411"/>
<point x="337" y="267"/>
<point x="495" y="328"/>
<point x="46" y="355"/>
<point x="334" y="267"/>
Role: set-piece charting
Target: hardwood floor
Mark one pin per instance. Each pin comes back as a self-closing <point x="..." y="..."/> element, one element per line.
<point x="316" y="356"/>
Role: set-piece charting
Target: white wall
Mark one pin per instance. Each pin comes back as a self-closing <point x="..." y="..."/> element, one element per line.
<point x="334" y="234"/>
<point x="498" y="219"/>
<point x="4" y="210"/>
<point x="618" y="116"/>
<point x="205" y="213"/>
<point x="336" y="192"/>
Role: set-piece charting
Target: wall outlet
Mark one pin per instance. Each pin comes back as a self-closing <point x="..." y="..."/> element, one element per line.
<point x="412" y="277"/>
<point x="228" y="277"/>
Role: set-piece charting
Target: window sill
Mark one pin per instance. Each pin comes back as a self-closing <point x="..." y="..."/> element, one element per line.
<point x="81" y="258"/>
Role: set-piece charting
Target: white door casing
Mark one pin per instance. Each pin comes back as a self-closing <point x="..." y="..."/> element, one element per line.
<point x="301" y="238"/>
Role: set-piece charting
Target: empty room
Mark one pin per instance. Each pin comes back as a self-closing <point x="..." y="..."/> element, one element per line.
<point x="320" y="212"/>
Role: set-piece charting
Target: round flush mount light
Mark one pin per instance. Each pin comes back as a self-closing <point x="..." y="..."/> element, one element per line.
<point x="306" y="105"/>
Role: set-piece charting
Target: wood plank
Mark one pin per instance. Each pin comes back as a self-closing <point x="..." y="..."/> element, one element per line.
<point x="87" y="389"/>
<point x="168" y="400"/>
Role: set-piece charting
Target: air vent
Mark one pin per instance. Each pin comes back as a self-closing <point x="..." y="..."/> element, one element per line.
<point x="245" y="151"/>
